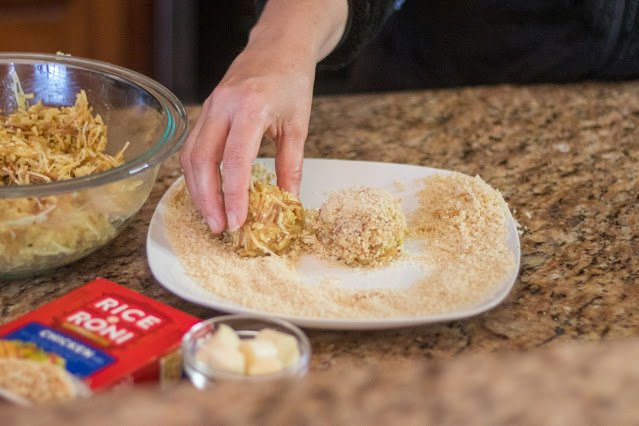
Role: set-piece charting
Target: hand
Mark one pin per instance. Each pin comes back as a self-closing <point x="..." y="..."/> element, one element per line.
<point x="265" y="92"/>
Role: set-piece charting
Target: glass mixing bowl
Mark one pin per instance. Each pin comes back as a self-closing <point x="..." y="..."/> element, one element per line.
<point x="44" y="226"/>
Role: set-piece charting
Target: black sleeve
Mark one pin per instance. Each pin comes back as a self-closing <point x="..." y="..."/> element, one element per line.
<point x="365" y="19"/>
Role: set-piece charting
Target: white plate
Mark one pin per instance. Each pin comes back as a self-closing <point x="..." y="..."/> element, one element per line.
<point x="321" y="177"/>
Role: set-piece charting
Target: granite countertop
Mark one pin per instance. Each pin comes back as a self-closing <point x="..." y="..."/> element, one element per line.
<point x="566" y="159"/>
<point x="560" y="385"/>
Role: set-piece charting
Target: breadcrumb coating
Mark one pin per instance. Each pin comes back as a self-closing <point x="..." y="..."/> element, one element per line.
<point x="361" y="226"/>
<point x="459" y="223"/>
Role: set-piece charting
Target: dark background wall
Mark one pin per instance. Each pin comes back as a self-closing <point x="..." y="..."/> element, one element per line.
<point x="223" y="31"/>
<point x="223" y="28"/>
<point x="185" y="44"/>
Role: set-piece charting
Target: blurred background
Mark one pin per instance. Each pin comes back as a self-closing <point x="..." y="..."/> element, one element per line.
<point x="185" y="44"/>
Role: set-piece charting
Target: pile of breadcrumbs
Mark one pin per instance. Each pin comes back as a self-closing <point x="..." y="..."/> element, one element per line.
<point x="460" y="220"/>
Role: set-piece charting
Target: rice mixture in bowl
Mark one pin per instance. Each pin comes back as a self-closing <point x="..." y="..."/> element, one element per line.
<point x="80" y="145"/>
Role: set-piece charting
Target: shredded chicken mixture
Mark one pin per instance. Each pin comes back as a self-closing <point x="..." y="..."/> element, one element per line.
<point x="275" y="219"/>
<point x="41" y="144"/>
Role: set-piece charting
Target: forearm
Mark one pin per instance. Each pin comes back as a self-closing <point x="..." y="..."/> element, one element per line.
<point x="309" y="27"/>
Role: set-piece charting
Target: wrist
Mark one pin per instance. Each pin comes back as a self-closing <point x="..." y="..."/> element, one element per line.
<point x="280" y="42"/>
<point x="311" y="28"/>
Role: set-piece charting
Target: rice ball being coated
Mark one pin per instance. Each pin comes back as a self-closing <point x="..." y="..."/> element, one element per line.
<point x="275" y="220"/>
<point x="361" y="226"/>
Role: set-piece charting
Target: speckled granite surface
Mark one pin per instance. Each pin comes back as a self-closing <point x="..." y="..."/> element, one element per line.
<point x="561" y="385"/>
<point x="566" y="159"/>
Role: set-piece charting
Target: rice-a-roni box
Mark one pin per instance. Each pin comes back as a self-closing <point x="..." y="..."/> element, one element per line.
<point x="97" y="336"/>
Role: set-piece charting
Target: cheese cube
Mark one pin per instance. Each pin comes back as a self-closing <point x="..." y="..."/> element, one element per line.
<point x="265" y="366"/>
<point x="223" y="358"/>
<point x="287" y="348"/>
<point x="261" y="356"/>
<point x="224" y="336"/>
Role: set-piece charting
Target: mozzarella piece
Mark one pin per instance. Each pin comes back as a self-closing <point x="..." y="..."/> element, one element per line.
<point x="265" y="366"/>
<point x="268" y="352"/>
<point x="261" y="356"/>
<point x="287" y="348"/>
<point x="224" y="336"/>
<point x="224" y="358"/>
<point x="221" y="351"/>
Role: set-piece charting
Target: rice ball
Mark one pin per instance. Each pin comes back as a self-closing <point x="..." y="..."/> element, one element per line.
<point x="361" y="226"/>
<point x="275" y="220"/>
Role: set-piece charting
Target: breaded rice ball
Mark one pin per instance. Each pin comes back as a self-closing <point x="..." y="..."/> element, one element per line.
<point x="361" y="226"/>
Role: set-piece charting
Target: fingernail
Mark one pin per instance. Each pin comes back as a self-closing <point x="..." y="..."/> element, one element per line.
<point x="231" y="219"/>
<point x="213" y="224"/>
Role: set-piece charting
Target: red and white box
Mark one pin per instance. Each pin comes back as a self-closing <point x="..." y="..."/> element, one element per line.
<point x="105" y="335"/>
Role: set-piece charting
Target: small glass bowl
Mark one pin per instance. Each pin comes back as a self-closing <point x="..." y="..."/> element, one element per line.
<point x="246" y="326"/>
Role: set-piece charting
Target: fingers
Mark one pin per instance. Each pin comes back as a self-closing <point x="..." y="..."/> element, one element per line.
<point x="206" y="157"/>
<point x="216" y="138"/>
<point x="242" y="146"/>
<point x="201" y="162"/>
<point x="185" y="155"/>
<point x="289" y="158"/>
